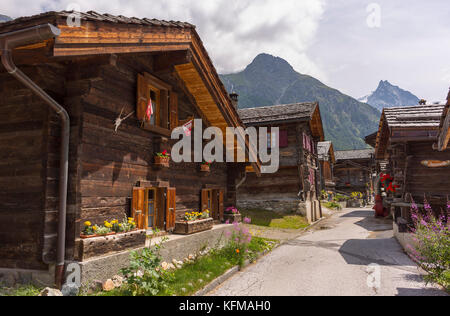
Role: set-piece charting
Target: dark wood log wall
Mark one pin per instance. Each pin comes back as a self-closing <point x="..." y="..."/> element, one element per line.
<point x="112" y="163"/>
<point x="26" y="212"/>
<point x="420" y="180"/>
<point x="287" y="182"/>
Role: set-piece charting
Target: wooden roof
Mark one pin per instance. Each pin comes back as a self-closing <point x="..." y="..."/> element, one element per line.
<point x="410" y="123"/>
<point x="354" y="154"/>
<point x="108" y="34"/>
<point x="286" y="113"/>
<point x="325" y="148"/>
<point x="444" y="135"/>
<point x="371" y="139"/>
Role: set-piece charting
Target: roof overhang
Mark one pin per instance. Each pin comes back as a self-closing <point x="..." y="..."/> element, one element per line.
<point x="94" y="37"/>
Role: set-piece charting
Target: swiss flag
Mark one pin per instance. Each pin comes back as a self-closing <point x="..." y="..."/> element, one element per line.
<point x="149" y="109"/>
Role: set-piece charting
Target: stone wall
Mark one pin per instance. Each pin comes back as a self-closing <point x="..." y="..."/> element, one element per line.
<point x="280" y="206"/>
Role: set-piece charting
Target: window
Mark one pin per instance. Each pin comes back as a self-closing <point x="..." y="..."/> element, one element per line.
<point x="164" y="104"/>
<point x="282" y="139"/>
<point x="154" y="208"/>
<point x="212" y="200"/>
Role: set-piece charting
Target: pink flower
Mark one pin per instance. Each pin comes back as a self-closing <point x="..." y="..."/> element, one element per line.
<point x="247" y="220"/>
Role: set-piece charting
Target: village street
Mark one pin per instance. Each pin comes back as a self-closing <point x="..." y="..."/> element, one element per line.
<point x="334" y="259"/>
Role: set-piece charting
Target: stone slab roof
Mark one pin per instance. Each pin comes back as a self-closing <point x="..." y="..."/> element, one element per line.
<point x="420" y="116"/>
<point x="355" y="154"/>
<point x="278" y="113"/>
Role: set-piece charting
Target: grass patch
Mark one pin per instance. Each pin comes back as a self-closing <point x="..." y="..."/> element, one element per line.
<point x="275" y="220"/>
<point x="25" y="290"/>
<point x="194" y="276"/>
<point x="332" y="205"/>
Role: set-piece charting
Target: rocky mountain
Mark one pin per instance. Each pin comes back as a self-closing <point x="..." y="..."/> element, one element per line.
<point x="388" y="95"/>
<point x="4" y="18"/>
<point x="270" y="80"/>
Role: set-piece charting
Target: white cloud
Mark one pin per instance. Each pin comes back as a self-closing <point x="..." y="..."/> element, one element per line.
<point x="233" y="31"/>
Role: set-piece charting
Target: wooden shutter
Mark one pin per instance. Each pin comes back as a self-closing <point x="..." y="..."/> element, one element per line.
<point x="283" y="139"/>
<point x="164" y="108"/>
<point x="171" y="209"/>
<point x="142" y="100"/>
<point x="204" y="200"/>
<point x="221" y="205"/>
<point x="173" y="111"/>
<point x="137" y="210"/>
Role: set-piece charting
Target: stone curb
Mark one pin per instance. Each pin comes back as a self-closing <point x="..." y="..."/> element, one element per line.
<point x="218" y="281"/>
<point x="230" y="273"/>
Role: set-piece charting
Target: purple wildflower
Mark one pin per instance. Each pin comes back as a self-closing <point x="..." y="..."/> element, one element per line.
<point x="247" y="220"/>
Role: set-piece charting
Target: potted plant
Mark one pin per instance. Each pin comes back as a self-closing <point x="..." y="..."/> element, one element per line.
<point x="194" y="222"/>
<point x="89" y="231"/>
<point x="205" y="167"/>
<point x="232" y="215"/>
<point x="162" y="159"/>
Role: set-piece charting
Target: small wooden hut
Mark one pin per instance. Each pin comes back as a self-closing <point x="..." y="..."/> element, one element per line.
<point x="406" y="138"/>
<point x="294" y="188"/>
<point x="327" y="160"/>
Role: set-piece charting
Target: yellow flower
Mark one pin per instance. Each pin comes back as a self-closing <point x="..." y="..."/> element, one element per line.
<point x="88" y="224"/>
<point x="94" y="228"/>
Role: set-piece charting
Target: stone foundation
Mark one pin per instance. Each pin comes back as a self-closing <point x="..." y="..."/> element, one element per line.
<point x="13" y="277"/>
<point x="280" y="206"/>
<point x="177" y="247"/>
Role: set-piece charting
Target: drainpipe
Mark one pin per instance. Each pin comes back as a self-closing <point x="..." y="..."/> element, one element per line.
<point x="28" y="36"/>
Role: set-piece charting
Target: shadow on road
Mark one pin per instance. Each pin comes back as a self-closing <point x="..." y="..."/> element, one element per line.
<point x="360" y="213"/>
<point x="385" y="252"/>
<point x="420" y="292"/>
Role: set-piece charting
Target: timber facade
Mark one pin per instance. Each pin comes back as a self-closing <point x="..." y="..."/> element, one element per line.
<point x="354" y="171"/>
<point x="294" y="188"/>
<point x="107" y="68"/>
<point x="327" y="159"/>
<point x="407" y="139"/>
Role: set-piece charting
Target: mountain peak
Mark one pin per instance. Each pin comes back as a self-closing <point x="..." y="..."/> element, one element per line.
<point x="388" y="95"/>
<point x="4" y="18"/>
<point x="269" y="61"/>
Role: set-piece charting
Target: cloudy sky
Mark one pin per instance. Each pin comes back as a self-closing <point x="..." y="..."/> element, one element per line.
<point x="348" y="44"/>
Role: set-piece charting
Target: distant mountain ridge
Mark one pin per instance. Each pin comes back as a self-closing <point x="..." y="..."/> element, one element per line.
<point x="4" y="18"/>
<point x="387" y="95"/>
<point x="270" y="80"/>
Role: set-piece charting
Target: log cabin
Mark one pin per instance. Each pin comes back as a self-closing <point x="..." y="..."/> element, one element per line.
<point x="405" y="139"/>
<point x="294" y="188"/>
<point x="101" y="72"/>
<point x="354" y="171"/>
<point x="444" y="135"/>
<point x="327" y="160"/>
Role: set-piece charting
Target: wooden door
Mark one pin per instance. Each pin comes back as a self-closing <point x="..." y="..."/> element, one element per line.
<point x="171" y="209"/>
<point x="138" y="207"/>
<point x="204" y="199"/>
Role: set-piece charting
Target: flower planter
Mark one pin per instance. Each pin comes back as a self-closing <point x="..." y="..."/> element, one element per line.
<point x="87" y="236"/>
<point x="163" y="162"/>
<point x="104" y="245"/>
<point x="231" y="218"/>
<point x="342" y="204"/>
<point x="189" y="228"/>
<point x="205" y="168"/>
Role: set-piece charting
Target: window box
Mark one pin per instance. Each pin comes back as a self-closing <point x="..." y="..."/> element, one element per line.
<point x="163" y="162"/>
<point x="104" y="245"/>
<point x="189" y="228"/>
<point x="205" y="168"/>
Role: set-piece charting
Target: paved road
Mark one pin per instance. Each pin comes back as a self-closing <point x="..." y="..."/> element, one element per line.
<point x="334" y="259"/>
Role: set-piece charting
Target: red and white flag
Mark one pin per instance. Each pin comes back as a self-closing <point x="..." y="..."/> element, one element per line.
<point x="187" y="128"/>
<point x="149" y="109"/>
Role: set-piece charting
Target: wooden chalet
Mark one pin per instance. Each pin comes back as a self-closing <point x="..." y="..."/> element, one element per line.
<point x="354" y="171"/>
<point x="444" y="134"/>
<point x="107" y="68"/>
<point x="405" y="139"/>
<point x="327" y="159"/>
<point x="294" y="188"/>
